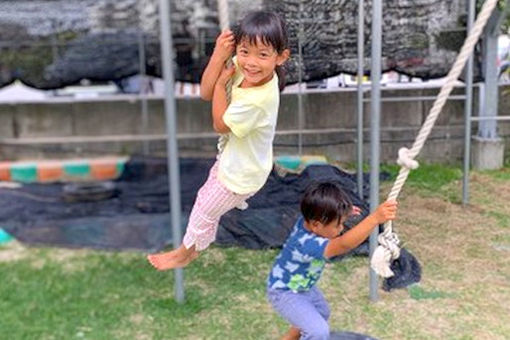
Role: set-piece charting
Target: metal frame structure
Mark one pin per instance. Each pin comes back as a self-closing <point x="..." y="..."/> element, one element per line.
<point x="375" y="132"/>
<point x="375" y="108"/>
<point x="468" y="108"/>
<point x="487" y="122"/>
<point x="487" y="115"/>
<point x="172" y="150"/>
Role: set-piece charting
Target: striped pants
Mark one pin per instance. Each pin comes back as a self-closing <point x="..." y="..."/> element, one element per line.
<point x="213" y="201"/>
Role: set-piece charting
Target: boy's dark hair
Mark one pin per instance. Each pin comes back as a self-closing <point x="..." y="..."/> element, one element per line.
<point x="270" y="28"/>
<point x="325" y="202"/>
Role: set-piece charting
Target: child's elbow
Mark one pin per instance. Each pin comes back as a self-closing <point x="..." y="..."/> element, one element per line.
<point x="221" y="128"/>
<point x="205" y="96"/>
<point x="336" y="250"/>
<point x="216" y="129"/>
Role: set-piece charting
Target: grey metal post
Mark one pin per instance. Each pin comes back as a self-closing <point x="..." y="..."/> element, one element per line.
<point x="468" y="108"/>
<point x="359" y="128"/>
<point x="300" y="80"/>
<point x="487" y="128"/>
<point x="143" y="90"/>
<point x="172" y="150"/>
<point x="375" y="124"/>
<point x="54" y="48"/>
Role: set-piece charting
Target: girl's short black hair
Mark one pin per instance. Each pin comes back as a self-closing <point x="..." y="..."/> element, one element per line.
<point x="270" y="28"/>
<point x="325" y="202"/>
<point x="267" y="26"/>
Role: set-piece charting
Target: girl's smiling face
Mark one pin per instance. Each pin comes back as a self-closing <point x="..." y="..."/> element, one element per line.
<point x="258" y="61"/>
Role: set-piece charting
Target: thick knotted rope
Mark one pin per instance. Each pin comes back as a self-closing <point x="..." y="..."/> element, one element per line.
<point x="224" y="25"/>
<point x="388" y="249"/>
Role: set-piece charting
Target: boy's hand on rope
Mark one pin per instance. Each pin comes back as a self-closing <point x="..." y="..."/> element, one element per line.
<point x="388" y="242"/>
<point x="224" y="45"/>
<point x="386" y="211"/>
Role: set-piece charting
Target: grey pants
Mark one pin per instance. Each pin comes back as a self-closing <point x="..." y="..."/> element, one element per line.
<point x="308" y="311"/>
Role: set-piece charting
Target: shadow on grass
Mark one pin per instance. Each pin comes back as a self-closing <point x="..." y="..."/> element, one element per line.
<point x="194" y="304"/>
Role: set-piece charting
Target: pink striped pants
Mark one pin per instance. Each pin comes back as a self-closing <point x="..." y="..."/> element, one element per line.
<point x="213" y="201"/>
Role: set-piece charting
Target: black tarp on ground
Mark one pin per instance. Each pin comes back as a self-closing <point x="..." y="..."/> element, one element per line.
<point x="349" y="336"/>
<point x="138" y="216"/>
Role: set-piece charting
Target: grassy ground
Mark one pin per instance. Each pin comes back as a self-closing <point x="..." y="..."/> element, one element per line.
<point x="80" y="294"/>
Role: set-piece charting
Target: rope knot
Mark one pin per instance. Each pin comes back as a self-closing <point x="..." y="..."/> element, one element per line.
<point x="405" y="160"/>
<point x="387" y="251"/>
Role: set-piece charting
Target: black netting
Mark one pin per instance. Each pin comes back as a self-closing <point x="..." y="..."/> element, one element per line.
<point x="407" y="271"/>
<point x="349" y="336"/>
<point x="54" y="43"/>
<point x="137" y="217"/>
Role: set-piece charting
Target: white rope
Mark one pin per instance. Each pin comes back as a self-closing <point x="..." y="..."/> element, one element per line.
<point x="388" y="249"/>
<point x="224" y="25"/>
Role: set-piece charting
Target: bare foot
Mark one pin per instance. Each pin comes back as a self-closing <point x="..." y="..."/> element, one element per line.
<point x="160" y="261"/>
<point x="193" y="256"/>
<point x="172" y="259"/>
<point x="292" y="334"/>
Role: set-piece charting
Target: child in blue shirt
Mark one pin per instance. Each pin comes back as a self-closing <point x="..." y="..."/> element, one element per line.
<point x="315" y="238"/>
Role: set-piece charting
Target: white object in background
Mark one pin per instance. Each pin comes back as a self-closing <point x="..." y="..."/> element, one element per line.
<point x="19" y="92"/>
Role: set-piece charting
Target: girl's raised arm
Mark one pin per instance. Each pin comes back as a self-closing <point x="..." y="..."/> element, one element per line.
<point x="222" y="51"/>
<point x="219" y="101"/>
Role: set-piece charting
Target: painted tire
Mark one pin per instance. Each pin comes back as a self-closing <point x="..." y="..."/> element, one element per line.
<point x="89" y="191"/>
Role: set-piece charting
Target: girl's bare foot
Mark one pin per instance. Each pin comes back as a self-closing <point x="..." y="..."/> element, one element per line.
<point x="163" y="261"/>
<point x="174" y="259"/>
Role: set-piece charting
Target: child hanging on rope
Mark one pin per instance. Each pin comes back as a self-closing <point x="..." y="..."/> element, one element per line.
<point x="245" y="160"/>
<point x="291" y="285"/>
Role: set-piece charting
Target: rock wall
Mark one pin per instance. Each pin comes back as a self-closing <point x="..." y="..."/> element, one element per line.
<point x="54" y="43"/>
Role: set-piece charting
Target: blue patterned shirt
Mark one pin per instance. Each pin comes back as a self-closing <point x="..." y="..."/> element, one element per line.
<point x="301" y="261"/>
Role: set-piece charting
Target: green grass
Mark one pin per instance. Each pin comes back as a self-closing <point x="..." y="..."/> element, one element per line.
<point x="416" y="292"/>
<point x="502" y="219"/>
<point x="430" y="177"/>
<point x="501" y="174"/>
<point x="50" y="294"/>
<point x="116" y="296"/>
<point x="431" y="180"/>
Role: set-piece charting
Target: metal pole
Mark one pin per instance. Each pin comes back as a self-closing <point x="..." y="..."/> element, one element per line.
<point x="497" y="118"/>
<point x="300" y="80"/>
<point x="143" y="89"/>
<point x="375" y="109"/>
<point x="359" y="128"/>
<point x="172" y="150"/>
<point x="414" y="98"/>
<point x="488" y="129"/>
<point x="54" y="48"/>
<point x="468" y="108"/>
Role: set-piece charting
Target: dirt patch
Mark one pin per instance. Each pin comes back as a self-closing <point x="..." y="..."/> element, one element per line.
<point x="38" y="257"/>
<point x="13" y="251"/>
<point x="465" y="277"/>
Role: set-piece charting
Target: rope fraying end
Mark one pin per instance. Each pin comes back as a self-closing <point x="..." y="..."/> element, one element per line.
<point x="387" y="251"/>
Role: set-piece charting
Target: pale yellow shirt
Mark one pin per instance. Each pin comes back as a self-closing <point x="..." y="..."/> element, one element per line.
<point x="247" y="158"/>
